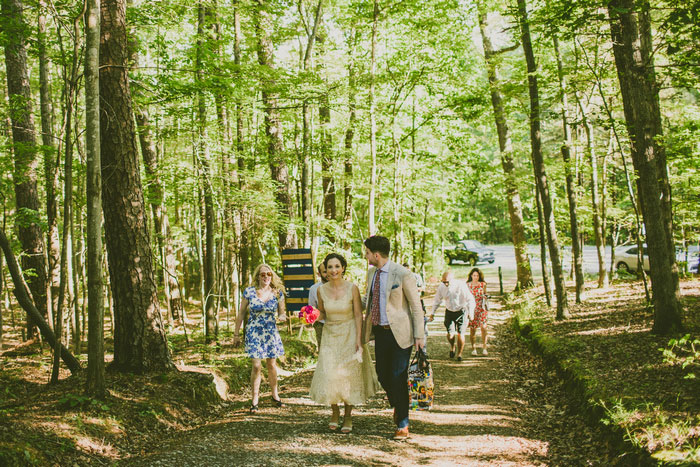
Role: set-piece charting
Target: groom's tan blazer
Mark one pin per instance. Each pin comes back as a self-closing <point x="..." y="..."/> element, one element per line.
<point x="403" y="308"/>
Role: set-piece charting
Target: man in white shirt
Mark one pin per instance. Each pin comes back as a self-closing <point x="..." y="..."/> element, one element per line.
<point x="459" y="305"/>
<point x="313" y="300"/>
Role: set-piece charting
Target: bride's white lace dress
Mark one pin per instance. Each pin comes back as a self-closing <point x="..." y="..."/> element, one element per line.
<point x="340" y="376"/>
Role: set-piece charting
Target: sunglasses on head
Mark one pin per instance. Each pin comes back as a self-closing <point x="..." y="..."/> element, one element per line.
<point x="265" y="274"/>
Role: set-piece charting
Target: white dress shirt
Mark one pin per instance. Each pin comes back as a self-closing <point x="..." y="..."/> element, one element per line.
<point x="457" y="297"/>
<point x="313" y="296"/>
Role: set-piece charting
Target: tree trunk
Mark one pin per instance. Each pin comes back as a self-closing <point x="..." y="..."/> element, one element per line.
<point x="349" y="137"/>
<point x="543" y="248"/>
<point x="515" y="212"/>
<point x="77" y="279"/>
<point x="26" y="155"/>
<point x="161" y="223"/>
<point x="2" y="284"/>
<point x="244" y="268"/>
<point x="630" y="27"/>
<point x="50" y="172"/>
<point x="139" y="337"/>
<point x="576" y="242"/>
<point x="327" y="181"/>
<point x="539" y="167"/>
<point x="231" y="225"/>
<point x="373" y="124"/>
<point x="273" y="128"/>
<point x="327" y="161"/>
<point x="210" y="328"/>
<point x="95" y="383"/>
<point x="25" y="301"/>
<point x="65" y="284"/>
<point x="306" y="167"/>
<point x="598" y="227"/>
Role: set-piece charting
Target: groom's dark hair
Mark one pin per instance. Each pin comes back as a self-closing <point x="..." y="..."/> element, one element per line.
<point x="378" y="244"/>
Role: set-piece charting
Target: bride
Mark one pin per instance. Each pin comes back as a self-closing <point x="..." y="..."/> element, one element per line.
<point x="344" y="372"/>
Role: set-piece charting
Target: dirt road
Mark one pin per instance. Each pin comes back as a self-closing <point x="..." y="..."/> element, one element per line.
<point x="501" y="409"/>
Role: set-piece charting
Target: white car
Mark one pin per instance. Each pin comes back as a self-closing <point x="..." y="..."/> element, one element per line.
<point x="626" y="258"/>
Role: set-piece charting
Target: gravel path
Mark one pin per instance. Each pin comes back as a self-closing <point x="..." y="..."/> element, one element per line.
<point x="503" y="409"/>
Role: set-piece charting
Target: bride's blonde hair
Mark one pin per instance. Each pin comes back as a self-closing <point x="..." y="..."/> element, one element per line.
<point x="276" y="282"/>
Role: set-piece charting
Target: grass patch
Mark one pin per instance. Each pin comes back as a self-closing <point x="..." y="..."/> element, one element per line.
<point x="633" y="381"/>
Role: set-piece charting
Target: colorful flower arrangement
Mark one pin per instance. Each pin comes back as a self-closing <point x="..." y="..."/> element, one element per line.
<point x="308" y="314"/>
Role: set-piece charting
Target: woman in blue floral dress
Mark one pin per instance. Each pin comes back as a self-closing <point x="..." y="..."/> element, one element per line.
<point x="264" y="302"/>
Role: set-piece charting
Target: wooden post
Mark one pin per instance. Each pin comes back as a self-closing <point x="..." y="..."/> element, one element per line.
<point x="500" y="279"/>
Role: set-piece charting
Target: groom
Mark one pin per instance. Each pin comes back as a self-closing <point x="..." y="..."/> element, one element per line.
<point x="395" y="319"/>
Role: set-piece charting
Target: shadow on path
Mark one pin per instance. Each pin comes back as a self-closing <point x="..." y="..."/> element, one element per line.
<point x="475" y="421"/>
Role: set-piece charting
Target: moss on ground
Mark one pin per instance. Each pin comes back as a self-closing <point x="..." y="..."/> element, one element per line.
<point x="614" y="366"/>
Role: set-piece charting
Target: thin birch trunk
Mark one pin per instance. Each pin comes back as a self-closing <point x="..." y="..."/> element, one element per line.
<point x="517" y="225"/>
<point x="539" y="167"/>
<point x="576" y="243"/>
<point x="373" y="124"/>
<point x="50" y="166"/>
<point x="95" y="383"/>
<point x="209" y="271"/>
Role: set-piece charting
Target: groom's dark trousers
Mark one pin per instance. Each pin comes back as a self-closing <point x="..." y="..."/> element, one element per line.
<point x="392" y="371"/>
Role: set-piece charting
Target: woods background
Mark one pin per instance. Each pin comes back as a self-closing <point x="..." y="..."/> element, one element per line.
<point x="230" y="130"/>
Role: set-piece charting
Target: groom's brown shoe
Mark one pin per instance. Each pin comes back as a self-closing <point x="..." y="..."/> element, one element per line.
<point x="401" y="434"/>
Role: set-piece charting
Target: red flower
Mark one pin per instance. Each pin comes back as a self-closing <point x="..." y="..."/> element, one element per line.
<point x="309" y="314"/>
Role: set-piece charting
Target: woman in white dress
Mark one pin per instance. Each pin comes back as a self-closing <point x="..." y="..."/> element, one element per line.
<point x="344" y="372"/>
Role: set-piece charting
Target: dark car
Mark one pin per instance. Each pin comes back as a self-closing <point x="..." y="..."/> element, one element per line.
<point x="470" y="252"/>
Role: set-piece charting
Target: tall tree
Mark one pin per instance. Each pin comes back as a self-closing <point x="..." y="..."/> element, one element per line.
<point x="538" y="164"/>
<point x="156" y="196"/>
<point x="273" y="127"/>
<point x="95" y="382"/>
<point x="350" y="136"/>
<point x="161" y="223"/>
<point x="372" y="227"/>
<point x="306" y="165"/>
<point x="576" y="246"/>
<point x="515" y="212"/>
<point x="50" y="166"/>
<point x="596" y="202"/>
<point x="204" y="24"/>
<point x="26" y="154"/>
<point x="139" y="337"/>
<point x="244" y="269"/>
<point x="630" y="27"/>
<point x="327" y="180"/>
<point x="65" y="290"/>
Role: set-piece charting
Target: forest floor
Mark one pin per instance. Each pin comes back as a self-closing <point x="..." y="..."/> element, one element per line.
<point x="507" y="408"/>
<point x="502" y="409"/>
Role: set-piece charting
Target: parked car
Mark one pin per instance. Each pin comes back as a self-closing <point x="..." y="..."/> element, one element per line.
<point x="626" y="258"/>
<point x="470" y="252"/>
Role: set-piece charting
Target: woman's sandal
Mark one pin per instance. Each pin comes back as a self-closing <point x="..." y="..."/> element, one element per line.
<point x="253" y="409"/>
<point x="277" y="402"/>
<point x="346" y="429"/>
<point x="333" y="426"/>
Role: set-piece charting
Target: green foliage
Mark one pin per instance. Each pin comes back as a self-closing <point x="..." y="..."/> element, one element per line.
<point x="82" y="402"/>
<point x="650" y="427"/>
<point x="12" y="454"/>
<point x="683" y="352"/>
<point x="298" y="353"/>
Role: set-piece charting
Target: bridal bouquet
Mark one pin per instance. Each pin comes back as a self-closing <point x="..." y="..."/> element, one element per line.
<point x="308" y="314"/>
